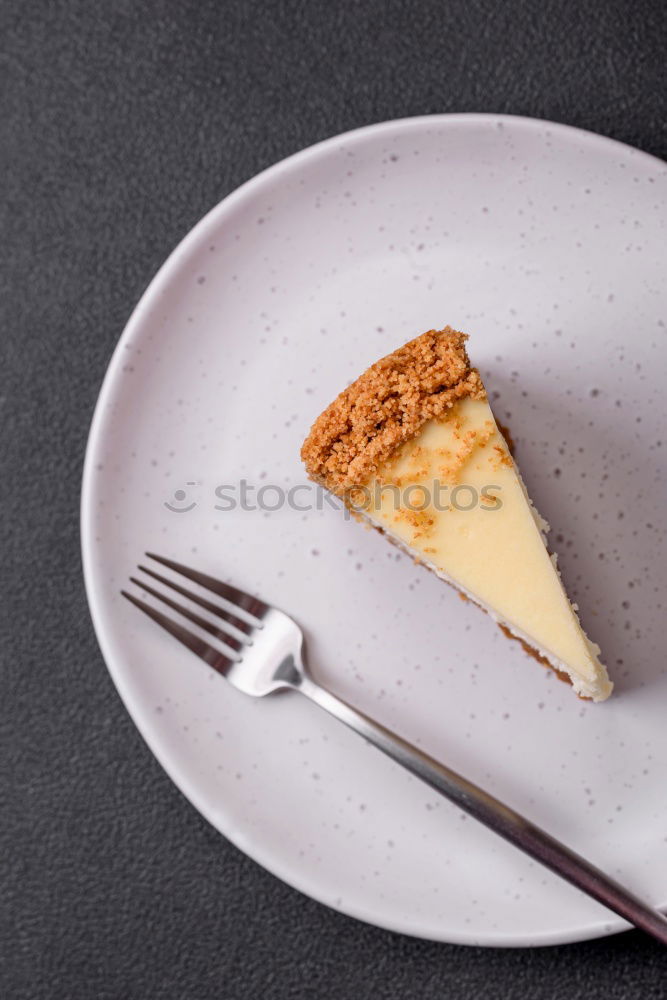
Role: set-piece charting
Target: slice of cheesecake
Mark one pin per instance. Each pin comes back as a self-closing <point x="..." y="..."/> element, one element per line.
<point x="413" y="447"/>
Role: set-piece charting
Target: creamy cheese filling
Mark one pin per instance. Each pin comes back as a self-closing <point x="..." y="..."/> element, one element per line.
<point x="453" y="497"/>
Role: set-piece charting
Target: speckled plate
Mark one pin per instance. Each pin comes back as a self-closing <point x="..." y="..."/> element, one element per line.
<point x="547" y="245"/>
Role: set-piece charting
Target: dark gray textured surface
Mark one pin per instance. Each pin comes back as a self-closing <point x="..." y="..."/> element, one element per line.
<point x="122" y="123"/>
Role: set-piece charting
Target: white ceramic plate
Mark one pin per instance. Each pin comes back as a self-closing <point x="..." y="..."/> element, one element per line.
<point x="546" y="244"/>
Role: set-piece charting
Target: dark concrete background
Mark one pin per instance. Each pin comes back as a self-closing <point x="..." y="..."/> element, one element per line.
<point x="122" y="123"/>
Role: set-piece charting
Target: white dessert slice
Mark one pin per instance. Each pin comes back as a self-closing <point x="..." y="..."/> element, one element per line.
<point x="414" y="447"/>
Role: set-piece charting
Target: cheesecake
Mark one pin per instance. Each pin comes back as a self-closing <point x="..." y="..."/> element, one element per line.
<point x="412" y="447"/>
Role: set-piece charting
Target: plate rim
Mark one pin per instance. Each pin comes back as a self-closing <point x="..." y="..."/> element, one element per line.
<point x="211" y="219"/>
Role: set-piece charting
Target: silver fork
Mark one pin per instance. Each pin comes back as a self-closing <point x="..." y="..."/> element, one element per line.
<point x="261" y="651"/>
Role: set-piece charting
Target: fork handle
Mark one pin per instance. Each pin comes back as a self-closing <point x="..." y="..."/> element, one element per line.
<point x="492" y="813"/>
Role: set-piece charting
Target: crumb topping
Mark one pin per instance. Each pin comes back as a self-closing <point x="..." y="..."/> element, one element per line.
<point x="387" y="406"/>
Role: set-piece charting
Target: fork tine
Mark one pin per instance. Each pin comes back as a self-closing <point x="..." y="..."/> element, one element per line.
<point x="238" y="624"/>
<point x="229" y="640"/>
<point x="212" y="656"/>
<point x="252" y="605"/>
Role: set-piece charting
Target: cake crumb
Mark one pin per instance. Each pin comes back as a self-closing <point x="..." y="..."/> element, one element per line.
<point x="387" y="406"/>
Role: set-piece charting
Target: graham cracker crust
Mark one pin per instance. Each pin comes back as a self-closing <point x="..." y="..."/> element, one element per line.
<point x="387" y="406"/>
